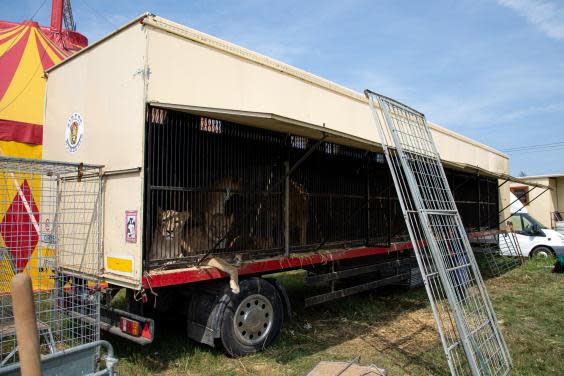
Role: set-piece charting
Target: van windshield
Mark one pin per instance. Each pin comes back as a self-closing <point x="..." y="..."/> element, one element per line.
<point x="523" y="222"/>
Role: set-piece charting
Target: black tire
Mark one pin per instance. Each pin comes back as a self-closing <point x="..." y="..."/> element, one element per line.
<point x="542" y="250"/>
<point x="259" y="310"/>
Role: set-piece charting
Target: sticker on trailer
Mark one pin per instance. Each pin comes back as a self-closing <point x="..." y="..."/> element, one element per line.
<point x="74" y="133"/>
<point x="120" y="265"/>
<point x="46" y="249"/>
<point x="47" y="235"/>
<point x="131" y="226"/>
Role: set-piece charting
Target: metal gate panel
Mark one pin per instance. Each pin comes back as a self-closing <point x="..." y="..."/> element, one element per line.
<point x="466" y="321"/>
<point x="50" y="228"/>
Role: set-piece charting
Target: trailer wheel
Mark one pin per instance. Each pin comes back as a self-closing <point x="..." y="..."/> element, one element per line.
<point x="252" y="319"/>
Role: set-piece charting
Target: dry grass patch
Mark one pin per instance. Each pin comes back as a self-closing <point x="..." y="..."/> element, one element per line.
<point x="391" y="328"/>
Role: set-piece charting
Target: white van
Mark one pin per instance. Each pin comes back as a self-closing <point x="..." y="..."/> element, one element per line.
<point x="534" y="238"/>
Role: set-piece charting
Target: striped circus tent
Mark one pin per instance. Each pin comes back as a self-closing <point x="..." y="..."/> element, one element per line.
<point x="26" y="51"/>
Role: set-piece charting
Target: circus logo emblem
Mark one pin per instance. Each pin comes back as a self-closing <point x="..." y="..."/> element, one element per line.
<point x="74" y="133"/>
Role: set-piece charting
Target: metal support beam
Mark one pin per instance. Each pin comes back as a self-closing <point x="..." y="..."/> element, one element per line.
<point x="352" y="272"/>
<point x="287" y="210"/>
<point x="528" y="203"/>
<point x="305" y="156"/>
<point x="502" y="184"/>
<point x="318" y="299"/>
<point x="518" y="198"/>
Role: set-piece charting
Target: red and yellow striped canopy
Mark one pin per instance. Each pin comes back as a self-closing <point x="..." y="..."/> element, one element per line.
<point x="25" y="53"/>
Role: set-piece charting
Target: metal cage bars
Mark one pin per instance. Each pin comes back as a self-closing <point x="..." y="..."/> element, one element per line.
<point x="499" y="250"/>
<point x="465" y="318"/>
<point x="50" y="229"/>
<point x="325" y="194"/>
<point x="285" y="192"/>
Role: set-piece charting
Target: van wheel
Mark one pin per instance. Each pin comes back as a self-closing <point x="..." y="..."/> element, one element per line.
<point x="252" y="319"/>
<point x="542" y="251"/>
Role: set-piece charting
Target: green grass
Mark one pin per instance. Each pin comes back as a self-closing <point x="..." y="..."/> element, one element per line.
<point x="392" y="328"/>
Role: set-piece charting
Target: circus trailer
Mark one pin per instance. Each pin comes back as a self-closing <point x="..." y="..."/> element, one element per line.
<point x="222" y="166"/>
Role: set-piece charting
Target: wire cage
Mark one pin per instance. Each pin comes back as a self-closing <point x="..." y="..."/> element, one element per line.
<point x="50" y="229"/>
<point x="497" y="252"/>
<point x="217" y="187"/>
<point x="227" y="189"/>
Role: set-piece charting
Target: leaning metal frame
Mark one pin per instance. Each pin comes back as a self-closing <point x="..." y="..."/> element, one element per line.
<point x="499" y="250"/>
<point x="50" y="228"/>
<point x="462" y="309"/>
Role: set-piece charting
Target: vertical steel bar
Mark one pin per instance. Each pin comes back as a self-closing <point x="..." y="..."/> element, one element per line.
<point x="287" y="209"/>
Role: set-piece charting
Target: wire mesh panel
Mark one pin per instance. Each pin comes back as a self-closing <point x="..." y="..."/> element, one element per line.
<point x="466" y="320"/>
<point x="497" y="251"/>
<point x="50" y="229"/>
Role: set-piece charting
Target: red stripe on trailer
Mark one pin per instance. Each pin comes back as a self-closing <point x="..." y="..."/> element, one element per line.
<point x="481" y="234"/>
<point x="179" y="277"/>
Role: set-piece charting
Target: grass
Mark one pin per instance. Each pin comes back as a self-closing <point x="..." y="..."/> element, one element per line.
<point x="391" y="328"/>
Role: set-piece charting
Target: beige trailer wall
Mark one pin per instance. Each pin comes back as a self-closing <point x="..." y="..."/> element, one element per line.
<point x="104" y="85"/>
<point x="504" y="202"/>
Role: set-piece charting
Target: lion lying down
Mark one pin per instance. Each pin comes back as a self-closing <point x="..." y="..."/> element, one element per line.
<point x="170" y="241"/>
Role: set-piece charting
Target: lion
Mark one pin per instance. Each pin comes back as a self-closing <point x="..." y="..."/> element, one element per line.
<point x="216" y="201"/>
<point x="215" y="231"/>
<point x="169" y="235"/>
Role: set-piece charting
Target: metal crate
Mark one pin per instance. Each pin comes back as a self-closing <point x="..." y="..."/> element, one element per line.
<point x="50" y="229"/>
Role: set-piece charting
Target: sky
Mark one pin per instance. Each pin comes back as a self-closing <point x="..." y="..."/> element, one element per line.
<point x="492" y="70"/>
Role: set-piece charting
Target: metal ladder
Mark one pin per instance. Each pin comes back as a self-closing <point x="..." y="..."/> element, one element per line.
<point x="465" y="318"/>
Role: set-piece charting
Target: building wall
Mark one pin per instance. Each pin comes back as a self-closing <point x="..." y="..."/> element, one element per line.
<point x="542" y="207"/>
<point x="559" y="183"/>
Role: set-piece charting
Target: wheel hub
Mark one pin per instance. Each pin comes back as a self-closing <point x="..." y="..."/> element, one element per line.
<point x="253" y="319"/>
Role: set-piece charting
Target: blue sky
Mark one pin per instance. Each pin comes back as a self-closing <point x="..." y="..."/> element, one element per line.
<point x="492" y="70"/>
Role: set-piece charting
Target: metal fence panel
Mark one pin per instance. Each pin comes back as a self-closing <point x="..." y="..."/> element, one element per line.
<point x="499" y="251"/>
<point x="465" y="318"/>
<point x="50" y="228"/>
